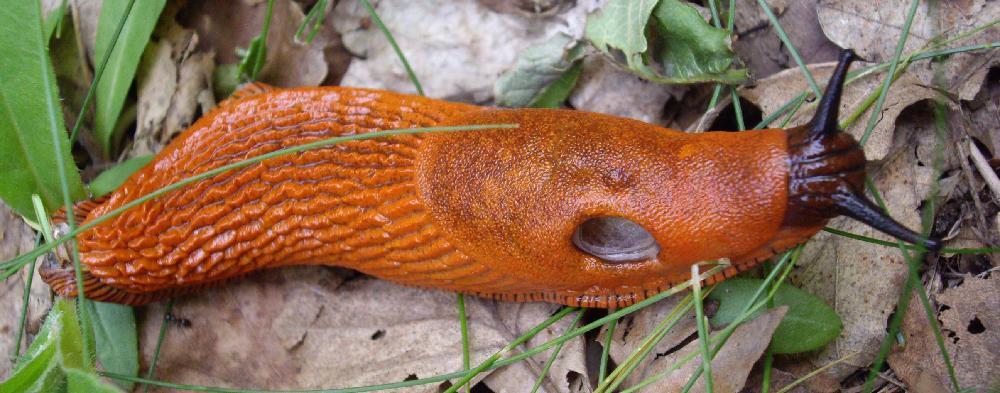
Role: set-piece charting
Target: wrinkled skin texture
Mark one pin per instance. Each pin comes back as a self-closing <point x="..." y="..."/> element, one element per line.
<point x="482" y="212"/>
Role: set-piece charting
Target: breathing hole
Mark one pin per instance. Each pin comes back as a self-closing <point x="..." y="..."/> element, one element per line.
<point x="615" y="239"/>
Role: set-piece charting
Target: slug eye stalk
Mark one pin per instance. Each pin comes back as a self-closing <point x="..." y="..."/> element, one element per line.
<point x="827" y="169"/>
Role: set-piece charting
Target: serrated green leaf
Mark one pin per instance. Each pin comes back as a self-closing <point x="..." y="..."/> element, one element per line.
<point x="120" y="70"/>
<point x="809" y="324"/>
<point x="681" y="48"/>
<point x="537" y="68"/>
<point x="692" y="49"/>
<point x="29" y="112"/>
<point x="116" y="339"/>
<point x="111" y="179"/>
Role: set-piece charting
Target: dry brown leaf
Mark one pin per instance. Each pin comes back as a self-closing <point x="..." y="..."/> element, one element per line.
<point x="771" y="93"/>
<point x="17" y="238"/>
<point x="731" y="365"/>
<point x="873" y="28"/>
<point x="224" y="26"/>
<point x="174" y="85"/>
<point x="457" y="51"/>
<point x="970" y="324"/>
<point x="568" y="372"/>
<point x="307" y="327"/>
<point x="759" y="46"/>
<point x="633" y="329"/>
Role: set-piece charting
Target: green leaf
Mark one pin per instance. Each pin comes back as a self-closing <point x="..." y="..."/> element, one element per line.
<point x="111" y="179"/>
<point x="256" y="54"/>
<point x="619" y="30"/>
<point x="82" y="382"/>
<point x="120" y="71"/>
<point x="117" y="339"/>
<point x="809" y="324"/>
<point x="556" y="94"/>
<point x="53" y="21"/>
<point x="693" y="50"/>
<point x="225" y="80"/>
<point x="679" y="47"/>
<point x="29" y="112"/>
<point x="54" y="361"/>
<point x="537" y="68"/>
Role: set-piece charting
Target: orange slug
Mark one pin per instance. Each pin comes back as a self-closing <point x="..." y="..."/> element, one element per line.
<point x="571" y="207"/>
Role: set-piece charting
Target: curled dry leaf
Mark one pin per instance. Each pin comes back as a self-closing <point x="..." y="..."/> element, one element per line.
<point x="16" y="238"/>
<point x="174" y="85"/>
<point x="457" y="52"/>
<point x="771" y="93"/>
<point x="311" y="327"/>
<point x="873" y="29"/>
<point x="862" y="280"/>
<point x="971" y="329"/>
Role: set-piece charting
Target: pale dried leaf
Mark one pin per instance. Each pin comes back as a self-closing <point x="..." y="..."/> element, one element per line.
<point x="568" y="372"/>
<point x="457" y="51"/>
<point x="307" y="327"/>
<point x="873" y="28"/>
<point x="633" y="329"/>
<point x="17" y="238"/>
<point x="607" y="89"/>
<point x="759" y="46"/>
<point x="771" y="93"/>
<point x="171" y="80"/>
<point x="970" y="326"/>
<point x="731" y="365"/>
<point x="224" y="26"/>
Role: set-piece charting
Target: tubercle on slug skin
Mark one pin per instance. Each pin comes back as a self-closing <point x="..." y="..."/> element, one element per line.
<point x="490" y="212"/>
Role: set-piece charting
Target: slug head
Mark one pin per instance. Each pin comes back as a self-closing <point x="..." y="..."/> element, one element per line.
<point x="827" y="170"/>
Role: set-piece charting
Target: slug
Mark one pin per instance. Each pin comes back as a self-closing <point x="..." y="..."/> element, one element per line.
<point x="571" y="207"/>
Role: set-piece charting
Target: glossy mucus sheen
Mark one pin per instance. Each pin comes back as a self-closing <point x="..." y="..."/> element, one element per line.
<point x="570" y="207"/>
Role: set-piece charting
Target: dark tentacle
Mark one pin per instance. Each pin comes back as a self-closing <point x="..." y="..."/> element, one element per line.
<point x="824" y="122"/>
<point x="819" y="192"/>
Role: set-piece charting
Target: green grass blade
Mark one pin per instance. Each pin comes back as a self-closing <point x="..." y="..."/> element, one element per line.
<point x="877" y="112"/>
<point x="606" y="351"/>
<point x="395" y="46"/>
<point x="123" y="60"/>
<point x="159" y="343"/>
<point x="699" y="310"/>
<point x="313" y="21"/>
<point x="791" y="48"/>
<point x="99" y="72"/>
<point x="463" y="327"/>
<point x="555" y="353"/>
<point x="256" y="53"/>
<point x="509" y="347"/>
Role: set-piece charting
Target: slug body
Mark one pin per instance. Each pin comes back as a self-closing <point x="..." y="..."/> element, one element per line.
<point x="496" y="213"/>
